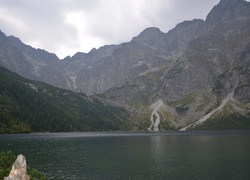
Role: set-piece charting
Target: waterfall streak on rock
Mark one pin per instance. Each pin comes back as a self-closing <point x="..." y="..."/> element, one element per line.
<point x="204" y="118"/>
<point x="155" y="123"/>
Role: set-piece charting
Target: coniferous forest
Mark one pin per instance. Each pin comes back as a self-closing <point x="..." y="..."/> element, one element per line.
<point x="32" y="106"/>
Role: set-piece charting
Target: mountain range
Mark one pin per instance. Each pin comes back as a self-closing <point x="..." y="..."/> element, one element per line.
<point x="196" y="75"/>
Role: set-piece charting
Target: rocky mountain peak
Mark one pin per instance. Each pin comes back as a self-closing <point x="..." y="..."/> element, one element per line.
<point x="149" y="34"/>
<point x="230" y="1"/>
<point x="14" y="39"/>
<point x="227" y="10"/>
<point x="186" y="24"/>
<point x="152" y="38"/>
<point x="150" y="31"/>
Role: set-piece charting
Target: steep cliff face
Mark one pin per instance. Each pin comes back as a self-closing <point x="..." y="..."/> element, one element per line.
<point x="208" y="66"/>
<point x="12" y="58"/>
<point x="190" y="69"/>
<point x="35" y="64"/>
<point x="108" y="67"/>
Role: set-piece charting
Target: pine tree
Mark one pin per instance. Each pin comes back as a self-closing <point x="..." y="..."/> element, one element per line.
<point x="6" y="161"/>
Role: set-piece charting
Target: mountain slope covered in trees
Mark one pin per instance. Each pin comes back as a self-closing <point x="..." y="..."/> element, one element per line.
<point x="32" y="106"/>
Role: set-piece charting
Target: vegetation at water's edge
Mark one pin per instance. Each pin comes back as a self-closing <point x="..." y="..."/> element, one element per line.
<point x="6" y="161"/>
<point x="31" y="106"/>
<point x="12" y="127"/>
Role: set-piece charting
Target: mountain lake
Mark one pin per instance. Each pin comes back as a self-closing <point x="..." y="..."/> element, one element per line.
<point x="188" y="155"/>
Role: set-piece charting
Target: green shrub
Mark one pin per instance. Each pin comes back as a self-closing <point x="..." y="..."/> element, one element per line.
<point x="35" y="174"/>
<point x="6" y="161"/>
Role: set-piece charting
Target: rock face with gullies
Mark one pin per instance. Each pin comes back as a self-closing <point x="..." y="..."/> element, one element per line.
<point x="190" y="69"/>
<point x="211" y="63"/>
<point x="19" y="170"/>
<point x="31" y="63"/>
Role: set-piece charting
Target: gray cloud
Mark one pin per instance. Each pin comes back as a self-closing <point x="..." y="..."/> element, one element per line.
<point x="65" y="26"/>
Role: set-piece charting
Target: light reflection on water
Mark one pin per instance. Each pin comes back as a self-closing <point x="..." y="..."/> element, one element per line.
<point x="144" y="155"/>
<point x="157" y="153"/>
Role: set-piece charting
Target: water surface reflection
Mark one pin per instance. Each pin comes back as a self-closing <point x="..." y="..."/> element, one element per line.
<point x="174" y="155"/>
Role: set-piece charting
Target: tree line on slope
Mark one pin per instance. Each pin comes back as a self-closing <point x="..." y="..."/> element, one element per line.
<point x="31" y="106"/>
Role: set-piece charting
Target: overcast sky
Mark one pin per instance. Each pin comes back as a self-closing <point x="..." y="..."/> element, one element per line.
<point x="65" y="27"/>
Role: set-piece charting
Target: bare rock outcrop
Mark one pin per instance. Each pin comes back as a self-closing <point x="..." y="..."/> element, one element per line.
<point x="19" y="169"/>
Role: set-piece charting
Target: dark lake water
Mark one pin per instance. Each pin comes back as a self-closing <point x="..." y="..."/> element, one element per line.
<point x="200" y="155"/>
